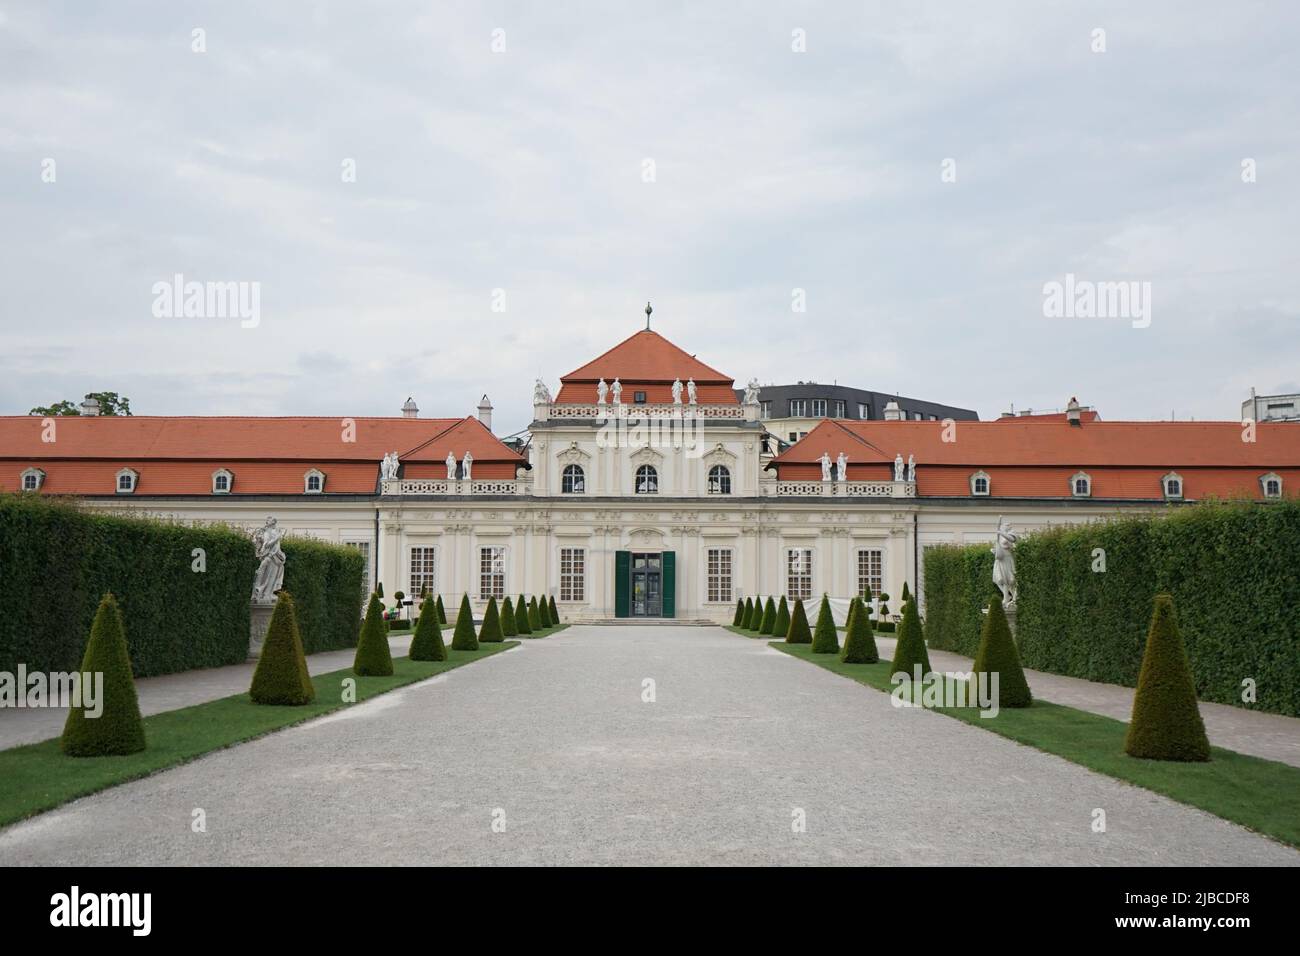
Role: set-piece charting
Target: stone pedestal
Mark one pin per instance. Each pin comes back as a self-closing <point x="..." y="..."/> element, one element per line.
<point x="259" y="619"/>
<point x="1011" y="620"/>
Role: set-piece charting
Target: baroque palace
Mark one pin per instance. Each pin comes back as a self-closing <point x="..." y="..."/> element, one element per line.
<point x="650" y="486"/>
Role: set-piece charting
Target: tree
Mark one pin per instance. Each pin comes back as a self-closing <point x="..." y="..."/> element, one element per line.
<point x="782" y="626"/>
<point x="521" y="616"/>
<point x="534" y="619"/>
<point x="1166" y="722"/>
<point x="825" y="638"/>
<point x="848" y="620"/>
<point x="110" y="403"/>
<point x="442" y="613"/>
<point x="740" y="613"/>
<point x="427" y="644"/>
<point x="798" y="633"/>
<point x="463" y="638"/>
<point x="997" y="654"/>
<point x="907" y="595"/>
<point x="281" y="676"/>
<point x="379" y="590"/>
<point x="859" y="643"/>
<point x="555" y="615"/>
<point x="748" y="622"/>
<point x="910" y="649"/>
<point x="509" y="628"/>
<point x="118" y="729"/>
<point x="883" y="623"/>
<point x="490" y="631"/>
<point x="543" y="613"/>
<point x="373" y="658"/>
<point x="769" y="618"/>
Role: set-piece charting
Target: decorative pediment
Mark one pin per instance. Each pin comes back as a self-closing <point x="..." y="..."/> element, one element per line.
<point x="647" y="537"/>
<point x="646" y="456"/>
<point x="718" y="455"/>
<point x="572" y="455"/>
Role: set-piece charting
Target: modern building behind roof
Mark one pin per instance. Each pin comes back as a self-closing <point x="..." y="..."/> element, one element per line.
<point x="1271" y="408"/>
<point x="791" y="411"/>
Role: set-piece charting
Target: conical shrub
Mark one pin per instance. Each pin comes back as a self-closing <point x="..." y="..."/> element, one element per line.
<point x="555" y="614"/>
<point x="521" y="616"/>
<point x="907" y="595"/>
<point x="769" y="618"/>
<point x="798" y="633"/>
<point x="544" y="613"/>
<point x="281" y="675"/>
<point x="534" y="619"/>
<point x="118" y="729"/>
<point x="1166" y="722"/>
<point x="740" y="613"/>
<point x="748" y="621"/>
<point x="848" y="620"/>
<point x="910" y="649"/>
<point x="782" y="625"/>
<point x="463" y="639"/>
<point x="373" y="658"/>
<point x="427" y="644"/>
<point x="825" y="638"/>
<point x="859" y="643"/>
<point x="508" y="625"/>
<point x="442" y="614"/>
<point x="489" y="631"/>
<point x="997" y="654"/>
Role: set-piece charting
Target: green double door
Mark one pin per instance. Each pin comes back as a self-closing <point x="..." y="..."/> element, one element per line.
<point x="645" y="583"/>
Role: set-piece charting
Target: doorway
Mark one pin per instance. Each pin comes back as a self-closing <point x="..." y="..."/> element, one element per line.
<point x="647" y="585"/>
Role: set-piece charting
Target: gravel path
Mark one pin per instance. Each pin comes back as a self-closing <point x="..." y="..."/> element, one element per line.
<point x="553" y="740"/>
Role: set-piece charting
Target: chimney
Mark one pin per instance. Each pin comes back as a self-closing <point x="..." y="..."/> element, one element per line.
<point x="410" y="409"/>
<point x="485" y="412"/>
<point x="1072" y="412"/>
<point x="90" y="406"/>
<point x="892" y="412"/>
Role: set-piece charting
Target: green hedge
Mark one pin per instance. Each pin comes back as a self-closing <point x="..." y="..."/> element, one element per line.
<point x="59" y="559"/>
<point x="1230" y="568"/>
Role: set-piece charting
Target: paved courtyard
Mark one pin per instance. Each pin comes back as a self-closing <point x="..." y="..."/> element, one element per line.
<point x="554" y="743"/>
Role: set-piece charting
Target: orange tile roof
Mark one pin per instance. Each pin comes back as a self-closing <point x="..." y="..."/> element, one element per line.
<point x="1085" y="415"/>
<point x="647" y="359"/>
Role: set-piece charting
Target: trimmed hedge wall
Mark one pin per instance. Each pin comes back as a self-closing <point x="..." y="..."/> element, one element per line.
<point x="57" y="560"/>
<point x="1229" y="566"/>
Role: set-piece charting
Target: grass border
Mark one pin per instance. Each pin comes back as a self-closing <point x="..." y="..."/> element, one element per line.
<point x="1258" y="794"/>
<point x="542" y="632"/>
<point x="37" y="778"/>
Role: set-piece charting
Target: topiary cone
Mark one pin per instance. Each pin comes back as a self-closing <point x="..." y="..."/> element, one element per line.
<point x="373" y="658"/>
<point x="281" y="676"/>
<point x="118" y="729"/>
<point x="798" y="633"/>
<point x="427" y="644"/>
<point x="543" y="614"/>
<point x="782" y="625"/>
<point x="508" y="626"/>
<point x="534" y="619"/>
<point x="442" y="614"/>
<point x="768" y="623"/>
<point x="463" y="638"/>
<point x="825" y="638"/>
<point x="555" y="614"/>
<point x="997" y="654"/>
<point x="740" y="613"/>
<point x="747" y="622"/>
<point x="521" y="617"/>
<point x="1166" y="722"/>
<point x="859" y="643"/>
<point x="490" y="630"/>
<point x="910" y="649"/>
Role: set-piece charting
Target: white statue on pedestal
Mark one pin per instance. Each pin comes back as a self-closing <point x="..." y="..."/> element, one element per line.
<point x="617" y="391"/>
<point x="826" y="465"/>
<point x="270" y="572"/>
<point x="451" y="467"/>
<point x="541" y="394"/>
<point x="677" y="391"/>
<point x="690" y="391"/>
<point x="898" y="467"/>
<point x="601" y="391"/>
<point x="1004" y="562"/>
<point x="388" y="466"/>
<point x="751" y="392"/>
<point x="842" y="467"/>
<point x="911" y="468"/>
<point x="466" y="464"/>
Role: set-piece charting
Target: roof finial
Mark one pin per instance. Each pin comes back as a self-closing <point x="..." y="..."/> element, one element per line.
<point x="648" y="310"/>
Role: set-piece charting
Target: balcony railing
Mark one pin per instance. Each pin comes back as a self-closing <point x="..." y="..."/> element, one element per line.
<point x="842" y="489"/>
<point x="588" y="411"/>
<point x="444" y="486"/>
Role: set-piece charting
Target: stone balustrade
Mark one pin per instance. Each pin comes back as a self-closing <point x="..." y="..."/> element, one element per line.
<point x="590" y="411"/>
<point x="841" y="489"/>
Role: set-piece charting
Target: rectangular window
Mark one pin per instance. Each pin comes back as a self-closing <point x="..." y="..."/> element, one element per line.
<point x="818" y="407"/>
<point x="765" y="409"/>
<point x="797" y="407"/>
<point x="794" y="437"/>
<point x="423" y="565"/>
<point x="917" y="416"/>
<point x="719" y="571"/>
<point x="492" y="572"/>
<point x="573" y="574"/>
<point x="839" y="408"/>
<point x="871" y="572"/>
<point x="864" y="411"/>
<point x="799" y="571"/>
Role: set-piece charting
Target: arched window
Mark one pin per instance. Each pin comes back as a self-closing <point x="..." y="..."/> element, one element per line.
<point x="221" y="481"/>
<point x="1081" y="485"/>
<point x="313" y="482"/>
<point x="719" y="480"/>
<point x="647" y="480"/>
<point x="126" y="481"/>
<point x="979" y="483"/>
<point x="573" y="481"/>
<point x="1173" y="484"/>
<point x="1271" y="485"/>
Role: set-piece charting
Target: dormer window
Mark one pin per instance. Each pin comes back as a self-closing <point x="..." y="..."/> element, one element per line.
<point x="1271" y="485"/>
<point x="32" y="479"/>
<point x="1173" y="485"/>
<point x="638" y="398"/>
<point x="979" y="483"/>
<point x="222" y="481"/>
<point x="313" y="483"/>
<point x="126" y="481"/>
<point x="1081" y="485"/>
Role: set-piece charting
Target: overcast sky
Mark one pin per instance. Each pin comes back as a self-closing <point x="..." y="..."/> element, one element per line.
<point x="525" y="170"/>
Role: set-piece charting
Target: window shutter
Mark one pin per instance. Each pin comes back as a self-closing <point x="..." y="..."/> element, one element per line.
<point x="622" y="582"/>
<point x="670" y="583"/>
